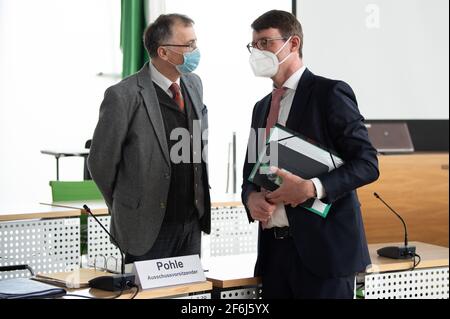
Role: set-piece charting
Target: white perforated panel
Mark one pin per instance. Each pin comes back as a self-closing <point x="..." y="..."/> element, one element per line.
<point x="231" y="233"/>
<point x="100" y="248"/>
<point x="431" y="283"/>
<point x="242" y="293"/>
<point x="47" y="246"/>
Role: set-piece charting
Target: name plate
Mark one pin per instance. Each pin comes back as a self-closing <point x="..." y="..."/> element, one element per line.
<point x="168" y="271"/>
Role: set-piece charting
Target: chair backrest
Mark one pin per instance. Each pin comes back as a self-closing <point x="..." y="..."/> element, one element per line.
<point x="86" y="173"/>
<point x="64" y="191"/>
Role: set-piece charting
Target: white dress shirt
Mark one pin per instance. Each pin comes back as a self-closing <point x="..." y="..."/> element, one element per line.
<point x="160" y="80"/>
<point x="279" y="217"/>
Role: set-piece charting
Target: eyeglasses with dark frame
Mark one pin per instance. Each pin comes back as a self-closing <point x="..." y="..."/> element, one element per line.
<point x="262" y="44"/>
<point x="191" y="45"/>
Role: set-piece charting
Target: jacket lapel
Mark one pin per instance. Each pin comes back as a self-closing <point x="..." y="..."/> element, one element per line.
<point x="194" y="96"/>
<point x="151" y="102"/>
<point x="196" y="100"/>
<point x="260" y="121"/>
<point x="301" y="98"/>
<point x="263" y="112"/>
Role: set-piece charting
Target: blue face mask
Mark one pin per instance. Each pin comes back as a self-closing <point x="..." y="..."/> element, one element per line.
<point x="191" y="61"/>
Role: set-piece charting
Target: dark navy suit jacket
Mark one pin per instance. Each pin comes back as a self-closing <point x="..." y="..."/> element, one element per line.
<point x="326" y="112"/>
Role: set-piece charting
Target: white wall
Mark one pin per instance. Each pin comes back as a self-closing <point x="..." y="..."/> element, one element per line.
<point x="52" y="50"/>
<point x="394" y="53"/>
<point x="50" y="53"/>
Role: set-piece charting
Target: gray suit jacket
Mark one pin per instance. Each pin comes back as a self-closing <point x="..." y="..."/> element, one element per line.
<point x="129" y="158"/>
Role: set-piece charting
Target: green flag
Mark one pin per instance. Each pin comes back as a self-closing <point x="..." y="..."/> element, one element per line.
<point x="132" y="26"/>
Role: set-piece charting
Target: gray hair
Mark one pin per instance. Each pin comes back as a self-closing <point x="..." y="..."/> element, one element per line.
<point x="161" y="30"/>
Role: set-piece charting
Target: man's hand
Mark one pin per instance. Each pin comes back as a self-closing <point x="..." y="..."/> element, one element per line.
<point x="293" y="191"/>
<point x="260" y="208"/>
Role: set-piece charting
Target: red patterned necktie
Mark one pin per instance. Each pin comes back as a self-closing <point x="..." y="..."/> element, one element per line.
<point x="272" y="119"/>
<point x="177" y="96"/>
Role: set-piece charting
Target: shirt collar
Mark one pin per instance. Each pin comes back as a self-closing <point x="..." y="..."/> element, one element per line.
<point x="293" y="80"/>
<point x="163" y="82"/>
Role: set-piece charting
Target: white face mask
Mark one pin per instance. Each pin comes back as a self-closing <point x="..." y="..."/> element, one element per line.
<point x="265" y="63"/>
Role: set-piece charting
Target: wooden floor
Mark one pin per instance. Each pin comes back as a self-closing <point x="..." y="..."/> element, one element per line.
<point x="417" y="187"/>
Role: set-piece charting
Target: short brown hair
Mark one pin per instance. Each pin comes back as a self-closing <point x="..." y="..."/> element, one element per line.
<point x="160" y="31"/>
<point x="284" y="21"/>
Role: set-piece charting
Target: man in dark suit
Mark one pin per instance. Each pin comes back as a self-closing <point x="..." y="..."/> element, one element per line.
<point x="158" y="199"/>
<point x="300" y="254"/>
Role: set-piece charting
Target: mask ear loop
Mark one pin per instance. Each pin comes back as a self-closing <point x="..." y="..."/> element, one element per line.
<point x="174" y="51"/>
<point x="287" y="41"/>
<point x="175" y="65"/>
<point x="278" y="52"/>
<point x="285" y="58"/>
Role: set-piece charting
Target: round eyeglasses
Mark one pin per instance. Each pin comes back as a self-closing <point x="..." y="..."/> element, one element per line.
<point x="191" y="45"/>
<point x="263" y="43"/>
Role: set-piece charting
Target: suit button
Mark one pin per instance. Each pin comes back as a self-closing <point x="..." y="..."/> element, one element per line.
<point x="167" y="175"/>
<point x="163" y="205"/>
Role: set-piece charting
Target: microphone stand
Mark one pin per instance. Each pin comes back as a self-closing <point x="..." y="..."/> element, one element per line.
<point x="396" y="252"/>
<point x="118" y="282"/>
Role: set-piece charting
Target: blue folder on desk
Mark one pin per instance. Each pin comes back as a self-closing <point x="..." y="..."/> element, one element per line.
<point x="25" y="288"/>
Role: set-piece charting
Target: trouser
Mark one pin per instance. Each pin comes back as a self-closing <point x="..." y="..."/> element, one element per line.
<point x="173" y="240"/>
<point x="284" y="275"/>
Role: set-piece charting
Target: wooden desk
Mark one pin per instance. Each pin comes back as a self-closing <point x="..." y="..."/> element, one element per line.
<point x="44" y="210"/>
<point x="417" y="187"/>
<point x="226" y="200"/>
<point x="98" y="207"/>
<point x="231" y="271"/>
<point x="395" y="279"/>
<point x="237" y="270"/>
<point x="164" y="292"/>
<point x="81" y="278"/>
<point x="37" y="212"/>
<point x="431" y="256"/>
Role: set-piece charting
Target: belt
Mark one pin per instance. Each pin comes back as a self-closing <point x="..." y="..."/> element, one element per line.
<point x="281" y="232"/>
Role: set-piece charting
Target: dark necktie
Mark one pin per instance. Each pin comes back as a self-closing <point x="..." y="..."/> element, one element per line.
<point x="177" y="96"/>
<point x="272" y="118"/>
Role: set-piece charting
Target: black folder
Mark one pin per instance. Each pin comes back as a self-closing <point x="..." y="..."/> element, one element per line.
<point x="295" y="162"/>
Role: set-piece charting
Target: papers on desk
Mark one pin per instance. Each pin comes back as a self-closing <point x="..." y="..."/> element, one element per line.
<point x="294" y="153"/>
<point x="78" y="278"/>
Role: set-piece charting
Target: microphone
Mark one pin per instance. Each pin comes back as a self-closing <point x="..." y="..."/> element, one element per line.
<point x="88" y="210"/>
<point x="114" y="282"/>
<point x="117" y="282"/>
<point x="395" y="252"/>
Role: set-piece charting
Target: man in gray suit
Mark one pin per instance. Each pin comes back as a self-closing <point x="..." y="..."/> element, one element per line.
<point x="159" y="204"/>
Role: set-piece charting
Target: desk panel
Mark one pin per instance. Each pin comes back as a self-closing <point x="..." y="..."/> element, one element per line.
<point x="164" y="292"/>
<point x="416" y="186"/>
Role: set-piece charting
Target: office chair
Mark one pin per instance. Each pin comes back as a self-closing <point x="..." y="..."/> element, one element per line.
<point x="86" y="173"/>
<point x="65" y="191"/>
